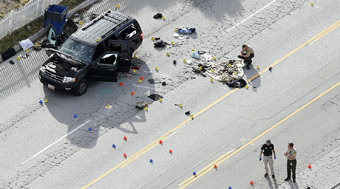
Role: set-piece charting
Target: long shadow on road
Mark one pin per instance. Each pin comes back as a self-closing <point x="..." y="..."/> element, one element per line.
<point x="106" y="104"/>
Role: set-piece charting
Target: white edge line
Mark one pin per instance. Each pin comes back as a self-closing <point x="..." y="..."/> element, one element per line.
<point x="250" y="16"/>
<point x="176" y="131"/>
<point x="35" y="155"/>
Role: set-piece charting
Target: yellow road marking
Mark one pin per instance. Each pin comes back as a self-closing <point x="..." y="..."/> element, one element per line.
<point x="153" y="144"/>
<point x="208" y="166"/>
<point x="317" y="37"/>
<point x="260" y="135"/>
<point x="324" y="34"/>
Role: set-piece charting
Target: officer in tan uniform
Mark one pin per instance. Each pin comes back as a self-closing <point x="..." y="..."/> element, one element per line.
<point x="267" y="150"/>
<point x="291" y="161"/>
<point x="247" y="53"/>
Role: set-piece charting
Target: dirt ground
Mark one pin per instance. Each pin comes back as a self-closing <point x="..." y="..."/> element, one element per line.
<point x="7" y="5"/>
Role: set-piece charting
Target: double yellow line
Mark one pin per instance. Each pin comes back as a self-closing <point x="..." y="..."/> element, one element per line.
<point x="166" y="135"/>
<point x="225" y="156"/>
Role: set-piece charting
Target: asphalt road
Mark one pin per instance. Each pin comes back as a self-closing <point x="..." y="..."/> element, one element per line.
<point x="44" y="146"/>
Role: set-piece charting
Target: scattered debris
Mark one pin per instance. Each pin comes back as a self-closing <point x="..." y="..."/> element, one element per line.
<point x="229" y="72"/>
<point x="159" y="43"/>
<point x="155" y="97"/>
<point x="195" y="55"/>
<point x="164" y="83"/>
<point x="141" y="105"/>
<point x="270" y="69"/>
<point x="185" y="30"/>
<point x="187" y="113"/>
<point x="158" y="16"/>
<point x="151" y="81"/>
<point x="11" y="62"/>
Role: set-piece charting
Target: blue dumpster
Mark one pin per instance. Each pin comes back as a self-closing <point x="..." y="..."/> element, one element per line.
<point x="55" y="16"/>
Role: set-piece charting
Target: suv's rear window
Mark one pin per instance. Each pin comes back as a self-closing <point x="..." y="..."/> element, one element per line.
<point x="128" y="32"/>
<point x="77" y="50"/>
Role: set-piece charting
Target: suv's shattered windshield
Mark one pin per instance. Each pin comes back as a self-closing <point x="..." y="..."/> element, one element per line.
<point x="77" y="50"/>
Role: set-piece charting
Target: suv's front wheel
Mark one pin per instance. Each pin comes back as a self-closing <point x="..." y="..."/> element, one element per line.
<point x="81" y="88"/>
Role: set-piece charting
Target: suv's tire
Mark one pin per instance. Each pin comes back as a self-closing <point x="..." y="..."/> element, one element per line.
<point x="81" y="88"/>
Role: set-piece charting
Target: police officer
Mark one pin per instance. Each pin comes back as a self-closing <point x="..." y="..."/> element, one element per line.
<point x="268" y="149"/>
<point x="291" y="161"/>
<point x="247" y="53"/>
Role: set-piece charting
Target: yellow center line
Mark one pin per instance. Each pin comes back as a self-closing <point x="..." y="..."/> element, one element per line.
<point x="317" y="37"/>
<point x="265" y="132"/>
<point x="155" y="142"/>
<point x="210" y="165"/>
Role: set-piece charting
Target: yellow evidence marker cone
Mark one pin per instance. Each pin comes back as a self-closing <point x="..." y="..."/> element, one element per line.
<point x="108" y="106"/>
<point x="167" y="53"/>
<point x="172" y="43"/>
<point x="214" y="58"/>
<point x="152" y="38"/>
<point x="180" y="105"/>
<point x="258" y="67"/>
<point x="81" y="23"/>
<point x="201" y="68"/>
<point x="18" y="57"/>
<point x="140" y="81"/>
<point x="212" y="70"/>
<point x="156" y="68"/>
<point x="246" y="87"/>
<point x="192" y="116"/>
<point x="160" y="100"/>
<point x="163" y="18"/>
<point x="45" y="100"/>
<point x="133" y="70"/>
<point x="311" y="4"/>
<point x="117" y="6"/>
<point x="98" y="39"/>
<point x="211" y="80"/>
<point x="185" y="61"/>
<point x="175" y="29"/>
<point x="146" y="108"/>
<point x="36" y="44"/>
<point x="27" y="50"/>
<point x="134" y="56"/>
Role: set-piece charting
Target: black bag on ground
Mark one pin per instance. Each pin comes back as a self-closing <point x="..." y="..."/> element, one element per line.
<point x="8" y="54"/>
<point x="158" y="16"/>
<point x="159" y="43"/>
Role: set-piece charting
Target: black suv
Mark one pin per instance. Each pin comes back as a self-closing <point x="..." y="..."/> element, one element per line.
<point x="97" y="51"/>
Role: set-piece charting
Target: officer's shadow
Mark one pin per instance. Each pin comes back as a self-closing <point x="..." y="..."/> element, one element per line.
<point x="272" y="184"/>
<point x="293" y="185"/>
<point x="255" y="77"/>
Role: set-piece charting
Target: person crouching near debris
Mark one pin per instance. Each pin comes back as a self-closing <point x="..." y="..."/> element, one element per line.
<point x="247" y="53"/>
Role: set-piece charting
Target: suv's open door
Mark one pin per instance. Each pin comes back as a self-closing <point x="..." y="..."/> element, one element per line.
<point x="125" y="55"/>
<point x="105" y="69"/>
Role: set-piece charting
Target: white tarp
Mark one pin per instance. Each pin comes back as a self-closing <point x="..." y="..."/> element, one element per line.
<point x="26" y="44"/>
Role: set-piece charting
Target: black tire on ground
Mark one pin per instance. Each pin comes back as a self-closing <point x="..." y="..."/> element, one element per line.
<point x="81" y="88"/>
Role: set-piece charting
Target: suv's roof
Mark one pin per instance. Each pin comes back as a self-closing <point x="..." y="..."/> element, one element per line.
<point x="98" y="28"/>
